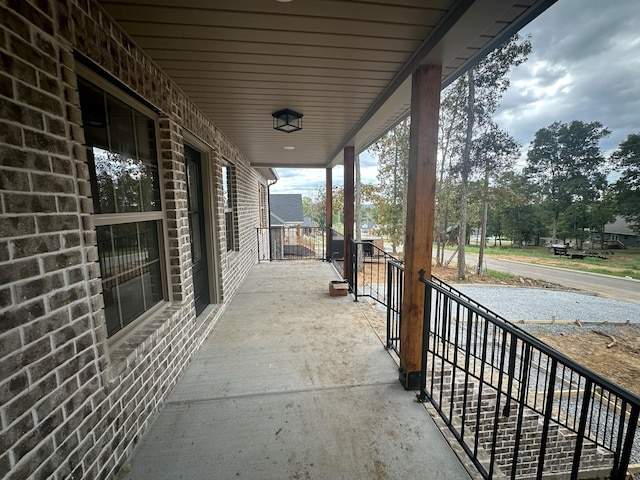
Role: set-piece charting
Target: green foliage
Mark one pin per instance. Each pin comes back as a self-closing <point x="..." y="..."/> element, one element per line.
<point x="627" y="188"/>
<point x="568" y="168"/>
<point x="390" y="198"/>
<point x="474" y="145"/>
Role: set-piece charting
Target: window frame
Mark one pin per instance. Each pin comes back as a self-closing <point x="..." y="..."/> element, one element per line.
<point x="263" y="201"/>
<point x="157" y="216"/>
<point x="229" y="205"/>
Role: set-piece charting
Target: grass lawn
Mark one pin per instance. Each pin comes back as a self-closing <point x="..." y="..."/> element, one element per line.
<point x="623" y="263"/>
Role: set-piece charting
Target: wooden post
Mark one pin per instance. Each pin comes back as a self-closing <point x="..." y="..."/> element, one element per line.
<point x="328" y="211"/>
<point x="421" y="195"/>
<point x="349" y="198"/>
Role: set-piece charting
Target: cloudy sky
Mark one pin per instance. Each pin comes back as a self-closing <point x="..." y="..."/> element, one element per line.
<point x="585" y="65"/>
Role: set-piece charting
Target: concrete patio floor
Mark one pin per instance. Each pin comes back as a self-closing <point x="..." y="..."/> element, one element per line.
<point x="293" y="384"/>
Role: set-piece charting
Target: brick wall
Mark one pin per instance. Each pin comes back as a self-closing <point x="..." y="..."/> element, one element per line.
<point x="71" y="406"/>
<point x="479" y="418"/>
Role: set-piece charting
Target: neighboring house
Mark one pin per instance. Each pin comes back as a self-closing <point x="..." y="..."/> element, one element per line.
<point x="617" y="234"/>
<point x="367" y="228"/>
<point x="291" y="232"/>
<point x="286" y="209"/>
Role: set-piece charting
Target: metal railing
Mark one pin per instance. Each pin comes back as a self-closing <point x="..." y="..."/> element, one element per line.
<point x="395" y="289"/>
<point x="515" y="405"/>
<point x="369" y="266"/>
<point x="291" y="243"/>
<point x="337" y="251"/>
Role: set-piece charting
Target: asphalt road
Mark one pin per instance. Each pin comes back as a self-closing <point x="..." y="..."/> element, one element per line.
<point x="627" y="290"/>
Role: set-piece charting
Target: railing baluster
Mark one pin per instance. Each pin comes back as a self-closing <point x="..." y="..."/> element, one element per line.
<point x="496" y="417"/>
<point x="522" y="400"/>
<point x="455" y="360"/>
<point x="632" y="425"/>
<point x="481" y="383"/>
<point x="559" y="390"/>
<point x="425" y="339"/>
<point x="467" y="355"/>
<point x="581" y="428"/>
<point x="547" y="417"/>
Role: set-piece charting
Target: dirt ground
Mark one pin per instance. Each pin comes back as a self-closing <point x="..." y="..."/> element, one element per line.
<point x="619" y="361"/>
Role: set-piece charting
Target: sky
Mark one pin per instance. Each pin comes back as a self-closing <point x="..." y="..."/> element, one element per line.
<point x="585" y="65"/>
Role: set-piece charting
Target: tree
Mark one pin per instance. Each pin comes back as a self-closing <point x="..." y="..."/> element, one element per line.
<point x="493" y="152"/>
<point x="477" y="94"/>
<point x="567" y="166"/>
<point x="517" y="209"/>
<point x="392" y="151"/>
<point x="627" y="188"/>
<point x="313" y="207"/>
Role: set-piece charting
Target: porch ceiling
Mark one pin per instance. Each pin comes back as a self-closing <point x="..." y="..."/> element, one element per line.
<point x="344" y="64"/>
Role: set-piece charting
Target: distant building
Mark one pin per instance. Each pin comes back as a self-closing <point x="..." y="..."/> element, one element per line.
<point x="617" y="234"/>
<point x="286" y="209"/>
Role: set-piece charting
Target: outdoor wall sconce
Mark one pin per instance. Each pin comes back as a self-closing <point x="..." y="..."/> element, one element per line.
<point x="287" y="120"/>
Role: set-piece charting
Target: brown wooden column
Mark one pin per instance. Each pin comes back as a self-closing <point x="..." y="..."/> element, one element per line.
<point x="349" y="199"/>
<point x="421" y="197"/>
<point x="328" y="211"/>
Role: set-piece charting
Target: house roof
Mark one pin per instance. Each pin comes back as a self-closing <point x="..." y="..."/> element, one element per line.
<point x="286" y="208"/>
<point x="619" y="227"/>
<point x="345" y="65"/>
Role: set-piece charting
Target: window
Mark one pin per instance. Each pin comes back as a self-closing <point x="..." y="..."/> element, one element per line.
<point x="229" y="193"/>
<point x="125" y="186"/>
<point x="262" y="198"/>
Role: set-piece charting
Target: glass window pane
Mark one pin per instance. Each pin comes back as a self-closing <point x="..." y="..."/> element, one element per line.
<point x="106" y="253"/>
<point x="149" y="241"/>
<point x="152" y="279"/>
<point x="128" y="171"/>
<point x="192" y="187"/>
<point x="225" y="187"/>
<point x="111" y="311"/>
<point x="150" y="188"/>
<point x="120" y="118"/>
<point x="196" y="244"/>
<point x="94" y="115"/>
<point x="228" y="220"/>
<point x="146" y="134"/>
<point x="131" y="299"/>
<point x="105" y="174"/>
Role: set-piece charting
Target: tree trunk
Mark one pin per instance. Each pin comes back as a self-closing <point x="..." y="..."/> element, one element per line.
<point x="483" y="238"/>
<point x="483" y="225"/>
<point x="464" y="185"/>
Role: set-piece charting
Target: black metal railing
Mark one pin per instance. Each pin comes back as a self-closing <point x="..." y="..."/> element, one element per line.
<point x="395" y="290"/>
<point x="369" y="267"/>
<point x="515" y="405"/>
<point x="337" y="251"/>
<point x="291" y="243"/>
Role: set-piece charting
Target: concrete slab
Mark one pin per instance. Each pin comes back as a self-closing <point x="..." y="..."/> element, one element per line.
<point x="292" y="383"/>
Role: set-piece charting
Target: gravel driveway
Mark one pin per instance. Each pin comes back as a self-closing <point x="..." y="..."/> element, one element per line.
<point x="517" y="303"/>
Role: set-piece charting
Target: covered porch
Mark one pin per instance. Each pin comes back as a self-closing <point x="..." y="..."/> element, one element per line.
<point x="293" y="383"/>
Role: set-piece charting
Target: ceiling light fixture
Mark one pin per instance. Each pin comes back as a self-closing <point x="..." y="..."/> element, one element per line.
<point x="287" y="120"/>
<point x="288" y="147"/>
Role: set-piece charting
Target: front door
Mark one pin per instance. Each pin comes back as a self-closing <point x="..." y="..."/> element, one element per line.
<point x="197" y="228"/>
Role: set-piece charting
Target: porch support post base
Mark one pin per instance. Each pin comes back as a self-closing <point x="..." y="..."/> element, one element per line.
<point x="409" y="380"/>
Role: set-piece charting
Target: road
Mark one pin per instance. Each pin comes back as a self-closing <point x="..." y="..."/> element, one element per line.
<point x="627" y="290"/>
